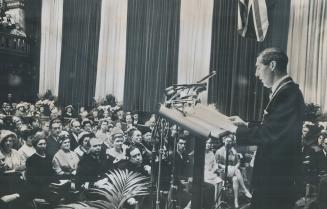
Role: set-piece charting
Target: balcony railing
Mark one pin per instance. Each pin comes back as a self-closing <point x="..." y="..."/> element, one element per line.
<point x="14" y="44"/>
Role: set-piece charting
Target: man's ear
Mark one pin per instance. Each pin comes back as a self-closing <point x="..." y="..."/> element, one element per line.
<point x="272" y="65"/>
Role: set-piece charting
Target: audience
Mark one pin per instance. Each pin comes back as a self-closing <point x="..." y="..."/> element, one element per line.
<point x="65" y="161"/>
<point x="83" y="147"/>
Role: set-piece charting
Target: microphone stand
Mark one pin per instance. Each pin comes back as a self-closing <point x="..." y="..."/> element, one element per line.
<point x="153" y="159"/>
<point x="161" y="150"/>
<point x="223" y="193"/>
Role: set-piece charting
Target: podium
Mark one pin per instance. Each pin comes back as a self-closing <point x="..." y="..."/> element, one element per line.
<point x="203" y="122"/>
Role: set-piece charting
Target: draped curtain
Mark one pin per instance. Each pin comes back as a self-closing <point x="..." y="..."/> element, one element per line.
<point x="235" y="90"/>
<point x="307" y="49"/>
<point x="112" y="50"/>
<point x="80" y="41"/>
<point x="33" y="13"/>
<point x="195" y="41"/>
<point x="151" y="52"/>
<point x="51" y="31"/>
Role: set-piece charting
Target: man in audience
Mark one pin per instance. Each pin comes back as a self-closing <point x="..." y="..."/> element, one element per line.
<point x="102" y="133"/>
<point x="52" y="142"/>
<point x="75" y="130"/>
<point x="92" y="166"/>
<point x="278" y="159"/>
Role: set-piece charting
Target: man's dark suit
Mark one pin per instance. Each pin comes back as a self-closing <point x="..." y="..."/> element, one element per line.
<point x="278" y="158"/>
<point x="52" y="146"/>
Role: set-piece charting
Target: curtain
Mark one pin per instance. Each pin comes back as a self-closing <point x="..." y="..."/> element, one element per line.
<point x="112" y="50"/>
<point x="235" y="90"/>
<point x="151" y="52"/>
<point x="307" y="49"/>
<point x="33" y="13"/>
<point x="195" y="41"/>
<point x="51" y="31"/>
<point x="80" y="41"/>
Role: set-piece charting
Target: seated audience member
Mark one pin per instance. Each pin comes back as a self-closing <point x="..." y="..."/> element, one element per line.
<point x="84" y="143"/>
<point x="102" y="133"/>
<point x="91" y="168"/>
<point x="13" y="159"/>
<point x="87" y="125"/>
<point x="75" y="130"/>
<point x="136" y="120"/>
<point x="147" y="138"/>
<point x="118" y="151"/>
<point x="69" y="112"/>
<point x="129" y="121"/>
<point x="39" y="172"/>
<point x="210" y="165"/>
<point x="7" y="195"/>
<point x="27" y="150"/>
<point x="321" y="137"/>
<point x="65" y="161"/>
<point x="46" y="128"/>
<point x="134" y="162"/>
<point x="6" y="109"/>
<point x="136" y="140"/>
<point x="52" y="142"/>
<point x="233" y="169"/>
<point x="322" y="158"/>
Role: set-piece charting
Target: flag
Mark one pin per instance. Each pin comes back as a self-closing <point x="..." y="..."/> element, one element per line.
<point x="253" y="19"/>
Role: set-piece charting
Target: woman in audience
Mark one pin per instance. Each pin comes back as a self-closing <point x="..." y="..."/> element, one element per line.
<point x="13" y="159"/>
<point x="118" y="151"/>
<point x="27" y="150"/>
<point x="65" y="161"/>
<point x="233" y="171"/>
<point x="83" y="141"/>
<point x="39" y="172"/>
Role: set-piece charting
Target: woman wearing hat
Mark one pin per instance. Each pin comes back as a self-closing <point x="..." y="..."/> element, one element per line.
<point x="65" y="161"/>
<point x="83" y="141"/>
<point x="118" y="151"/>
<point x="13" y="159"/>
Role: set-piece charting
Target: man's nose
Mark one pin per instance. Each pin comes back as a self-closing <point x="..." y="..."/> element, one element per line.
<point x="257" y="73"/>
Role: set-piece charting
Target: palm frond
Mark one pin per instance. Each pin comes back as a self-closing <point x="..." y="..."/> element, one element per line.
<point x="75" y="205"/>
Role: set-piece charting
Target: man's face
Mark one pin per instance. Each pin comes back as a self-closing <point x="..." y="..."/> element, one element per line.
<point x="305" y="132"/>
<point x="7" y="108"/>
<point x="88" y="127"/>
<point x="136" y="157"/>
<point x="45" y="127"/>
<point x="147" y="137"/>
<point x="95" y="146"/>
<point x="137" y="137"/>
<point x="56" y="129"/>
<point x="129" y="119"/>
<point x="136" y="117"/>
<point x="264" y="73"/>
<point x="104" y="126"/>
<point x="181" y="145"/>
<point x="76" y="127"/>
<point x="41" y="146"/>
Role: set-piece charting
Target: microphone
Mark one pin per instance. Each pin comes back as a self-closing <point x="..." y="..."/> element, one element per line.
<point x="213" y="73"/>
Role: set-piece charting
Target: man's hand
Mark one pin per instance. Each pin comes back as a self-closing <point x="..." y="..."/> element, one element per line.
<point x="236" y="120"/>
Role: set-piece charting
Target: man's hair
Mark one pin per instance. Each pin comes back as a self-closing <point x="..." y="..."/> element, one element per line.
<point x="129" y="150"/>
<point x="277" y="55"/>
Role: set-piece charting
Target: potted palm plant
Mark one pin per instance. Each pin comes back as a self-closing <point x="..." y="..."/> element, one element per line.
<point x="113" y="193"/>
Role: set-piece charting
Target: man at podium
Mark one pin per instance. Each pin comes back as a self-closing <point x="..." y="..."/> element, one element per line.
<point x="278" y="137"/>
